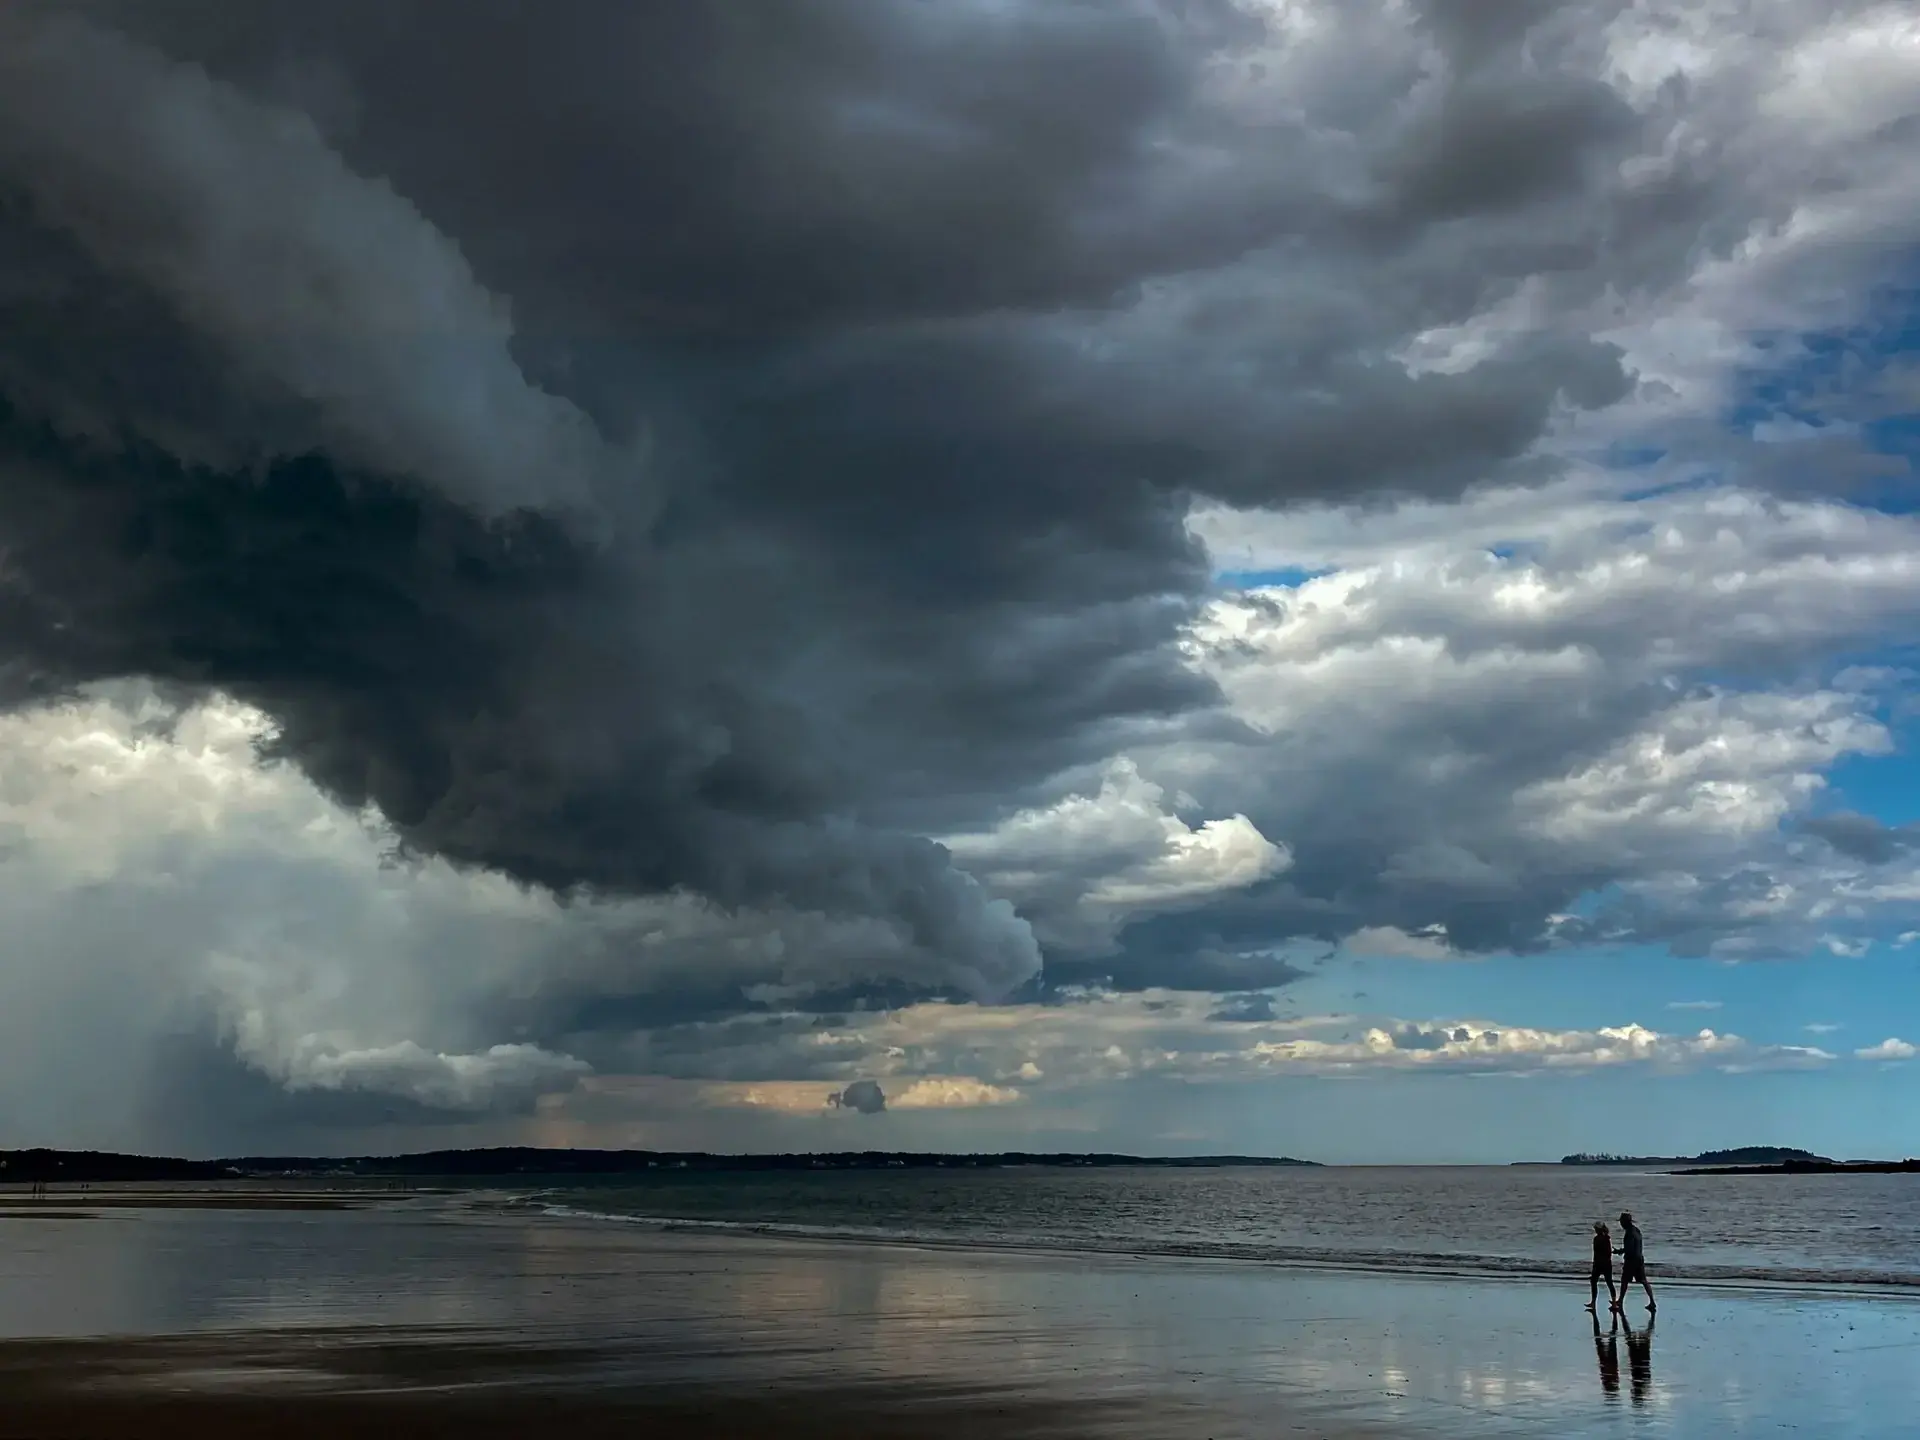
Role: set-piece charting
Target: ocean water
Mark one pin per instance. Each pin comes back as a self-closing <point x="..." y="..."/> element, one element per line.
<point x="1820" y="1231"/>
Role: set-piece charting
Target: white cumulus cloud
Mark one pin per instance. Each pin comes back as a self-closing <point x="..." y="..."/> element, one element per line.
<point x="1086" y="864"/>
<point x="1889" y="1049"/>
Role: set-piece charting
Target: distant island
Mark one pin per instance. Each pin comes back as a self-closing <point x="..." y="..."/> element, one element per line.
<point x="1750" y="1155"/>
<point x="59" y="1167"/>
<point x="1752" y="1160"/>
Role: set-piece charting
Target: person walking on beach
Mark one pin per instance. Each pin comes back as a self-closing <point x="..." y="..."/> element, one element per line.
<point x="1602" y="1267"/>
<point x="1633" y="1264"/>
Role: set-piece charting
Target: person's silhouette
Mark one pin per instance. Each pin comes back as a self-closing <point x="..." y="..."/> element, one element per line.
<point x="1606" y="1349"/>
<point x="1633" y="1263"/>
<point x="1640" y="1360"/>
<point x="1602" y="1267"/>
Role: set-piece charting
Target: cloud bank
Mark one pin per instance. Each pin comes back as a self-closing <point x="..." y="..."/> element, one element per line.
<point x="868" y="509"/>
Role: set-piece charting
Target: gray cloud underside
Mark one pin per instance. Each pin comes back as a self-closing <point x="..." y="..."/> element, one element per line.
<point x="871" y="268"/>
<point x="1861" y="837"/>
<point x="783" y="450"/>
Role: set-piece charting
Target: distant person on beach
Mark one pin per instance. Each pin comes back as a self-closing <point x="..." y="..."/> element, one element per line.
<point x="1602" y="1267"/>
<point x="1633" y="1263"/>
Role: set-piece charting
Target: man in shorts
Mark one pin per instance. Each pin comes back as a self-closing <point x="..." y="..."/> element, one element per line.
<point x="1633" y="1263"/>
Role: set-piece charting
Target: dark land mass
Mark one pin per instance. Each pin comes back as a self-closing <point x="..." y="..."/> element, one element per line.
<point x="1816" y="1167"/>
<point x="64" y="1167"/>
<point x="94" y="1167"/>
<point x="1747" y="1155"/>
<point x="522" y="1161"/>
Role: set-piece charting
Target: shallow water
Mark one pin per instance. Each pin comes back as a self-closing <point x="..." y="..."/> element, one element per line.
<point x="1257" y="1350"/>
<point x="1817" y="1230"/>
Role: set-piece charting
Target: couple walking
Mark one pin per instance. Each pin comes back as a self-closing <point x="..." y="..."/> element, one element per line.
<point x="1633" y="1263"/>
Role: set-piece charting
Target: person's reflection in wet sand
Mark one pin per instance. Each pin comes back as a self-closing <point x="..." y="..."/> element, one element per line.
<point x="1640" y="1360"/>
<point x="1606" y="1349"/>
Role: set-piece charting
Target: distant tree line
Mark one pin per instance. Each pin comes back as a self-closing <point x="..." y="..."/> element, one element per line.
<point x="21" y="1167"/>
<point x="1745" y="1155"/>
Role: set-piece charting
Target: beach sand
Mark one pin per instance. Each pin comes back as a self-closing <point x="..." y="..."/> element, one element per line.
<point x="295" y="1387"/>
<point x="429" y="1316"/>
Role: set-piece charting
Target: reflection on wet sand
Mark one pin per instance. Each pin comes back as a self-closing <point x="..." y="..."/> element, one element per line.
<point x="1607" y="1349"/>
<point x="1640" y="1360"/>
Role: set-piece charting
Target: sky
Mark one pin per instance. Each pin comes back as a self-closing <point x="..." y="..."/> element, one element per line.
<point x="1314" y="577"/>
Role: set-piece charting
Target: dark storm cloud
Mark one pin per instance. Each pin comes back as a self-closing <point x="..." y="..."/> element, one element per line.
<point x="1180" y="953"/>
<point x="426" y="664"/>
<point x="828" y="484"/>
<point x="865" y="1096"/>
<point x="735" y="171"/>
<point x="197" y="1098"/>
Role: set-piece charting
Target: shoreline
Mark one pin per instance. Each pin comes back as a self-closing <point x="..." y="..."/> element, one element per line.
<point x="1904" y="1288"/>
<point x="1813" y="1167"/>
<point x="496" y="1206"/>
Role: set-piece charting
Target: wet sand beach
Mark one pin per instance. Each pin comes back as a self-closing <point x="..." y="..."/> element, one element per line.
<point x="427" y="1316"/>
<point x="292" y="1387"/>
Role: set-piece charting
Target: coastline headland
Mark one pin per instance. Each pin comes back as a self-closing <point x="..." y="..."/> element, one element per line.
<point x="64" y="1167"/>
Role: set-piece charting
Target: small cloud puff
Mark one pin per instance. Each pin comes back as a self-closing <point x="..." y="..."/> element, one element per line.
<point x="1427" y="943"/>
<point x="1889" y="1049"/>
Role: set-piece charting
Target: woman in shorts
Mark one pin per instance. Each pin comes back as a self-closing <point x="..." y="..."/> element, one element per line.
<point x="1602" y="1266"/>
